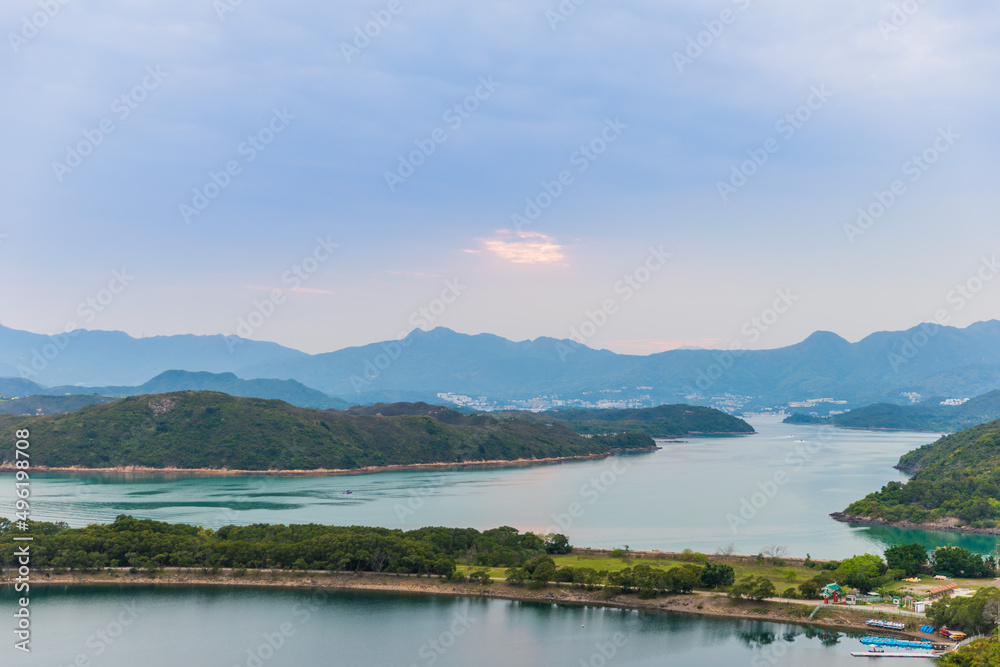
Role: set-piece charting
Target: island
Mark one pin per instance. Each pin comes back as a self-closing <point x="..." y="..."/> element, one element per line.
<point x="955" y="486"/>
<point x="934" y="414"/>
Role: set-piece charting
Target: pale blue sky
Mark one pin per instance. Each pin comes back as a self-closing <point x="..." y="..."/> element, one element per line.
<point x="609" y="68"/>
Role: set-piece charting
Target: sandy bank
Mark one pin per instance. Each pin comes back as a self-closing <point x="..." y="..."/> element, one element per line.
<point x="319" y="472"/>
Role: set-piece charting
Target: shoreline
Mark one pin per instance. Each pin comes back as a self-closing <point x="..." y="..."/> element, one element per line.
<point x="910" y="525"/>
<point x="320" y="472"/>
<point x="870" y="428"/>
<point x="838" y="618"/>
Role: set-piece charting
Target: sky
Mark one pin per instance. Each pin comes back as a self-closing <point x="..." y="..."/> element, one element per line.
<point x="324" y="175"/>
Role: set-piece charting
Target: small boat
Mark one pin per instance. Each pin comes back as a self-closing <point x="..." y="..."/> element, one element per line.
<point x="882" y="654"/>
<point x="347" y="493"/>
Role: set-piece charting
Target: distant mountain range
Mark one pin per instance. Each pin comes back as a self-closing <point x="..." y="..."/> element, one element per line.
<point x="929" y="415"/>
<point x="929" y="360"/>
<point x="289" y="391"/>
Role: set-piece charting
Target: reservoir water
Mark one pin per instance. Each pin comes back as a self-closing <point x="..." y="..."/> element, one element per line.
<point x="775" y="487"/>
<point x="155" y="627"/>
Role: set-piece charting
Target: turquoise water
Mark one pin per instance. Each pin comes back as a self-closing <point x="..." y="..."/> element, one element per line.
<point x="775" y="487"/>
<point x="153" y="627"/>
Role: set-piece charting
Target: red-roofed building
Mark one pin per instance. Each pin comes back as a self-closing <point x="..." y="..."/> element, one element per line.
<point x="941" y="589"/>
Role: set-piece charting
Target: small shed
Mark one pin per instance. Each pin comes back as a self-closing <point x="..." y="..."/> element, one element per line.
<point x="941" y="590"/>
<point x="920" y="606"/>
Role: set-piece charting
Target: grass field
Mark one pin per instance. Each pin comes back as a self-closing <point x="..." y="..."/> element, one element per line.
<point x="782" y="576"/>
<point x="789" y="574"/>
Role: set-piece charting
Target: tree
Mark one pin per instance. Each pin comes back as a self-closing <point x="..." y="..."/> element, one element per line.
<point x="973" y="615"/>
<point x="481" y="575"/>
<point x="717" y="574"/>
<point x="906" y="557"/>
<point x="774" y="552"/>
<point x="809" y="589"/>
<point x="726" y="551"/>
<point x="959" y="562"/>
<point x="753" y="588"/>
<point x="557" y="543"/>
<point x="763" y="589"/>
<point x="861" y="572"/>
<point x="682" y="579"/>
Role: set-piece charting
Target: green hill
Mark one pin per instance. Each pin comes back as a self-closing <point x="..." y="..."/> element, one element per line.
<point x="663" y="421"/>
<point x="191" y="429"/>
<point x="956" y="480"/>
<point x="927" y="416"/>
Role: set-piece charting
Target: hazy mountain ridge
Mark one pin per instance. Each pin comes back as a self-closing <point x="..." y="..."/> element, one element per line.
<point x="290" y="391"/>
<point x="928" y="359"/>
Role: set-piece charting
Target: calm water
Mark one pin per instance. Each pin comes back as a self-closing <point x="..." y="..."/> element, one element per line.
<point x="151" y="627"/>
<point x="775" y="487"/>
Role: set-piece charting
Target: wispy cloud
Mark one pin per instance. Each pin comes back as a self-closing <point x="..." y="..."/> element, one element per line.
<point x="300" y="289"/>
<point x="652" y="345"/>
<point x="524" y="247"/>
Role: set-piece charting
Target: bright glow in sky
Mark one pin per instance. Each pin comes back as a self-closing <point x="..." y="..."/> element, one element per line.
<point x="839" y="151"/>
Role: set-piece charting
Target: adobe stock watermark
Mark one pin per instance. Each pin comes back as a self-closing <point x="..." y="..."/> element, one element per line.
<point x="293" y="278"/>
<point x="415" y="501"/>
<point x="432" y="650"/>
<point x="89" y="309"/>
<point x="454" y="117"/>
<point x="105" y="637"/>
<point x="271" y="642"/>
<point x="704" y="40"/>
<point x="625" y="289"/>
<point x="590" y="492"/>
<point x="605" y="652"/>
<point x="769" y="655"/>
<point x="248" y="149"/>
<point x="32" y="24"/>
<point x="786" y="126"/>
<point x="581" y="159"/>
<point x="121" y="108"/>
<point x="900" y="16"/>
<point x="801" y="454"/>
<point x="562" y="12"/>
<point x="223" y="7"/>
<point x="421" y="318"/>
<point x="365" y="33"/>
<point x="957" y="298"/>
<point x="751" y="330"/>
<point x="915" y="167"/>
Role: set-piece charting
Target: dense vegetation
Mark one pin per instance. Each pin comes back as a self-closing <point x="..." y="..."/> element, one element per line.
<point x="972" y="615"/>
<point x="929" y="415"/>
<point x="980" y="653"/>
<point x="663" y="421"/>
<point x="142" y="543"/>
<point x="213" y="430"/>
<point x="957" y="477"/>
